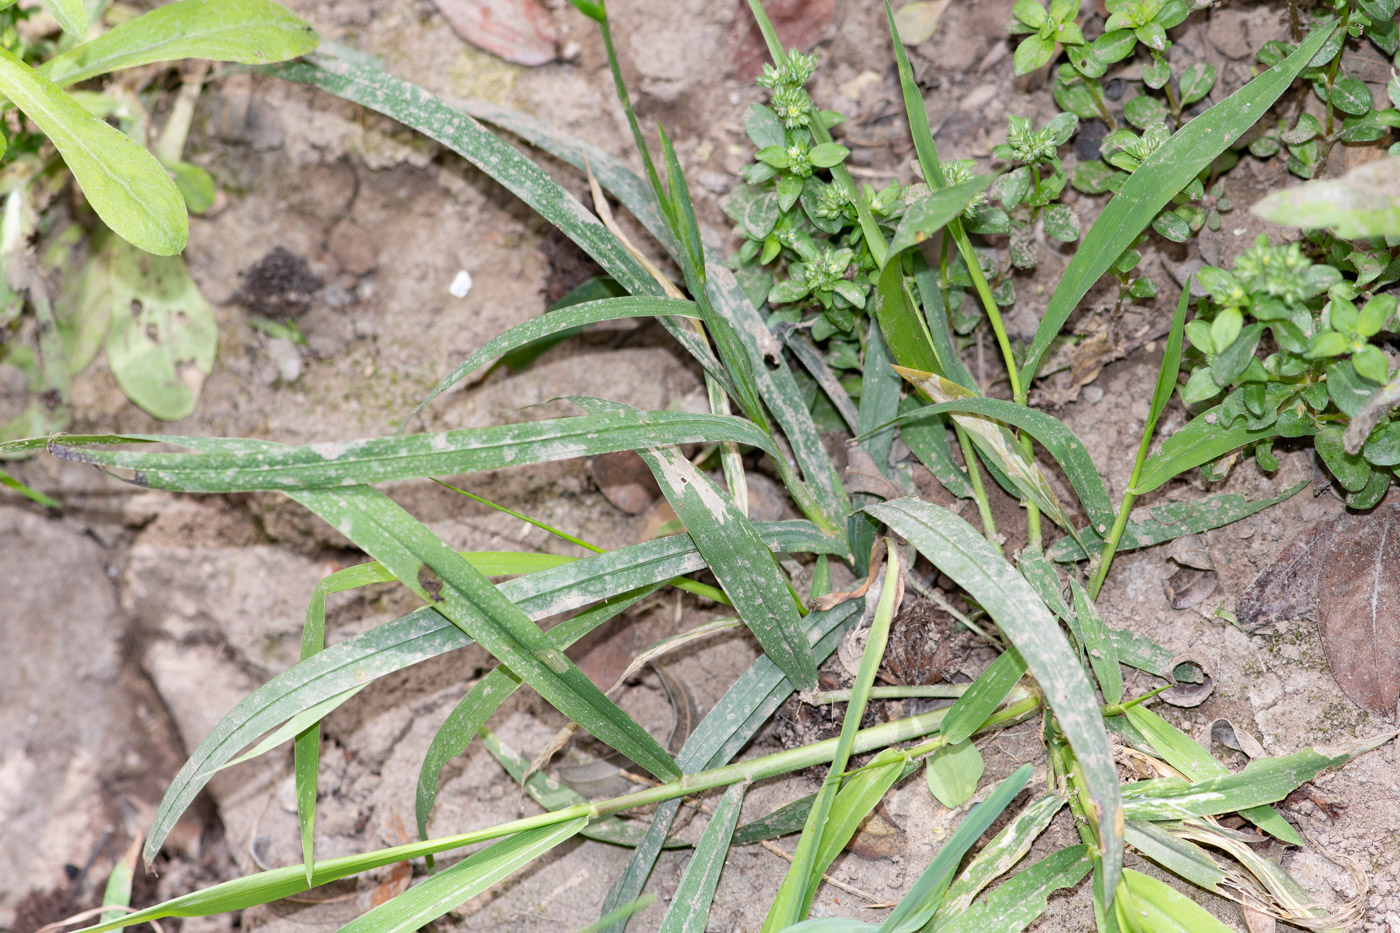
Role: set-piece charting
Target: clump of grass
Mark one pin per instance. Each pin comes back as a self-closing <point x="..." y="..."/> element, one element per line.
<point x="1060" y="660"/>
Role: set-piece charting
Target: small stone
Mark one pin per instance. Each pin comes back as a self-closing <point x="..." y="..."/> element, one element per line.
<point x="353" y="249"/>
<point x="1093" y="395"/>
<point x="287" y="357"/>
<point x="461" y="284"/>
<point x="625" y="481"/>
<point x="978" y="98"/>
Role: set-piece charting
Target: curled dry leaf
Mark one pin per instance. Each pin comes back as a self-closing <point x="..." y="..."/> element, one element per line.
<point x="1186" y="693"/>
<point x="1190" y="587"/>
<point x="520" y="31"/>
<point x="1344" y="572"/>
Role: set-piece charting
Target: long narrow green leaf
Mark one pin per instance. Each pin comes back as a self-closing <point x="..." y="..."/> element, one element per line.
<point x="1204" y="439"/>
<point x="1185" y="755"/>
<point x="745" y="707"/>
<point x="424" y="112"/>
<point x="71" y="15"/>
<point x="880" y="388"/>
<point x="983" y="696"/>
<point x="690" y="905"/>
<point x="1052" y="433"/>
<point x="486" y="696"/>
<point x="829" y="814"/>
<point x="928" y="439"/>
<point x="253" y="32"/>
<point x="429" y="900"/>
<point x="1157" y="907"/>
<point x="437" y="574"/>
<point x="554" y="322"/>
<point x="1103" y="657"/>
<point x="955" y="548"/>
<point x="129" y="189"/>
<point x="1262" y="781"/>
<point x="1171" y="520"/>
<point x="1157" y="180"/>
<point x="923" y="899"/>
<point x="1017" y="903"/>
<point x="998" y="856"/>
<point x="904" y="330"/>
<point x="734" y="552"/>
<point x="1176" y="855"/>
<point x="940" y="330"/>
<point x="931" y="213"/>
<point x="388" y="459"/>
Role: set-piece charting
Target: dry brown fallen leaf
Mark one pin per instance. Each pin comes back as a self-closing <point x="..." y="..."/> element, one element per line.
<point x="1345" y="573"/>
<point x="520" y="31"/>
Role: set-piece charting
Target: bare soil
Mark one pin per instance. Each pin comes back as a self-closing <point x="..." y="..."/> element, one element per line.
<point x="133" y="620"/>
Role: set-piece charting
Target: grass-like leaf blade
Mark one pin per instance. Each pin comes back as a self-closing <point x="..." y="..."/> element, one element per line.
<point x="922" y="899"/>
<point x="425" y="902"/>
<point x="690" y="905"/>
<point x="1017" y="903"/>
<point x="1157" y="180"/>
<point x="1052" y="433"/>
<point x="955" y="548"/>
<point x="390" y="459"/>
<point x="1169" y="521"/>
<point x="1187" y="756"/>
<point x="998" y="856"/>
<point x="554" y="322"/>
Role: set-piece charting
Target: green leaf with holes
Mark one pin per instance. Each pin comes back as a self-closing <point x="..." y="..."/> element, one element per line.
<point x="163" y="337"/>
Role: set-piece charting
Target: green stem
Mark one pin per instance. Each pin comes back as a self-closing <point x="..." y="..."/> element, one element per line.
<point x="979" y="491"/>
<point x="1096" y="92"/>
<point x="1110" y="545"/>
<point x="901" y="692"/>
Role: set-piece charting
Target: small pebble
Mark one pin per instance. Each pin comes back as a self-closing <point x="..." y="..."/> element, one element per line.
<point x="461" y="284"/>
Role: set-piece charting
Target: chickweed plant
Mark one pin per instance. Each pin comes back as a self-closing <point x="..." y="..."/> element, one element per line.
<point x="840" y="249"/>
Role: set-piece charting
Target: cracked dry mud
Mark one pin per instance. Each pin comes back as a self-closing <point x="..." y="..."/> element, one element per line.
<point x="135" y="620"/>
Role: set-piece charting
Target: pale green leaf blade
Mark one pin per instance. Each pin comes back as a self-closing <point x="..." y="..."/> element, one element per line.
<point x="735" y="554"/>
<point x="955" y="548"/>
<point x="1103" y="657"/>
<point x="430" y="899"/>
<point x="252" y="32"/>
<point x="581" y="315"/>
<point x="1178" y="856"/>
<point x="931" y="213"/>
<point x="926" y="895"/>
<point x="1052" y="433"/>
<point x="428" y="114"/>
<point x="1157" y="180"/>
<point x="127" y="187"/>
<point x="1160" y="908"/>
<point x="983" y="696"/>
<point x="469" y="716"/>
<point x="436" y="573"/>
<point x="690" y="905"/>
<point x="998" y="856"/>
<point x="952" y="773"/>
<point x="1017" y="903"/>
<point x="1171" y="520"/>
<point x="390" y="459"/>
<point x="1262" y="781"/>
<point x="71" y="15"/>
<point x="1204" y="439"/>
<point x="1185" y="755"/>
